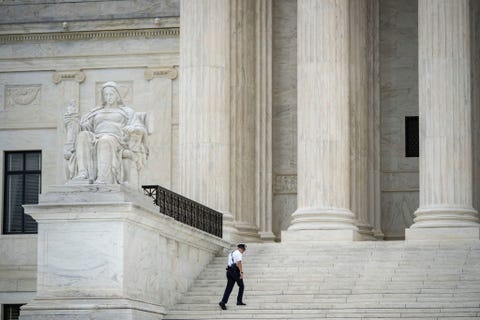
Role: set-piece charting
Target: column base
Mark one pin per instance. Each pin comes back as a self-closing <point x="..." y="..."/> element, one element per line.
<point x="87" y="309"/>
<point x="446" y="217"/>
<point x="366" y="232"/>
<point x="323" y="219"/>
<point x="290" y="236"/>
<point x="229" y="232"/>
<point x="446" y="233"/>
<point x="267" y="236"/>
<point x="247" y="232"/>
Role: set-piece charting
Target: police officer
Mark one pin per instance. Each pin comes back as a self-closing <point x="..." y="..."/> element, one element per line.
<point x="234" y="274"/>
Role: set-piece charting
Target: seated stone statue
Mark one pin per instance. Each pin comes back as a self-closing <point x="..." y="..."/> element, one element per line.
<point x="112" y="140"/>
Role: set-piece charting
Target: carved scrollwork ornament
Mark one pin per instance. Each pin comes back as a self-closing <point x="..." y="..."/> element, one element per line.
<point x="167" y="72"/>
<point x="60" y="76"/>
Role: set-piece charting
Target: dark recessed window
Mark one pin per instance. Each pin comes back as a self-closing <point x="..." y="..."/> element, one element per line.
<point x="11" y="311"/>
<point x="411" y="137"/>
<point x="22" y="186"/>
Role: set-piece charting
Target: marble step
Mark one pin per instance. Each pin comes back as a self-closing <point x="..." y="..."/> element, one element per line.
<point x="379" y="300"/>
<point x="385" y="314"/>
<point x="256" y="306"/>
<point x="368" y="280"/>
<point x="315" y="289"/>
<point x="358" y="282"/>
<point x="236" y="312"/>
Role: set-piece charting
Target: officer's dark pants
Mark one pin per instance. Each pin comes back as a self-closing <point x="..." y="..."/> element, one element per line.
<point x="232" y="278"/>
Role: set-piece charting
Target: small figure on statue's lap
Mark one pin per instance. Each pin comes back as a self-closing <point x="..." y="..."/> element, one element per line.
<point x="112" y="139"/>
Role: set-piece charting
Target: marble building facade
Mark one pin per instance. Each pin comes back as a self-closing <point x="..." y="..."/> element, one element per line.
<point x="287" y="116"/>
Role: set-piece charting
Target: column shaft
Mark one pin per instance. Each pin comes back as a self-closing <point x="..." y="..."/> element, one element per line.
<point x="243" y="117"/>
<point x="204" y="104"/>
<point x="374" y="146"/>
<point x="264" y="118"/>
<point x="359" y="114"/>
<point x="475" y="54"/>
<point x="323" y="117"/>
<point x="445" y="115"/>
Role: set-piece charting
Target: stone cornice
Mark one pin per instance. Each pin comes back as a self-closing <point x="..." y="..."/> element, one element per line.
<point x="90" y="35"/>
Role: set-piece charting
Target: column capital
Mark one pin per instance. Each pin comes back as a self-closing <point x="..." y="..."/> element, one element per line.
<point x="70" y="75"/>
<point x="161" y="72"/>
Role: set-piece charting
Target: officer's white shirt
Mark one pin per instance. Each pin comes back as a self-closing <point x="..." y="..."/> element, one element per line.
<point x="235" y="256"/>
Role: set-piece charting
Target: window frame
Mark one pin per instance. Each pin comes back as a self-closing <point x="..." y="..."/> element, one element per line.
<point x="23" y="173"/>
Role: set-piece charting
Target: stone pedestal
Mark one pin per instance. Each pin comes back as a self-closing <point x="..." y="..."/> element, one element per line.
<point x="105" y="252"/>
<point x="446" y="233"/>
<point x="445" y="122"/>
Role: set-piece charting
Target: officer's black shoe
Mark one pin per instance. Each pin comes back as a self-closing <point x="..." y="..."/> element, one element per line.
<point x="241" y="304"/>
<point x="222" y="305"/>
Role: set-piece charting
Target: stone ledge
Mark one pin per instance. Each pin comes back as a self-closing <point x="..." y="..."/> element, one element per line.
<point x="103" y="309"/>
<point x="10" y="297"/>
<point x="440" y="234"/>
<point x="320" y="235"/>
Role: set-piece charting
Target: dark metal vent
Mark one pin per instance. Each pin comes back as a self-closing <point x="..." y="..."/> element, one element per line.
<point x="411" y="137"/>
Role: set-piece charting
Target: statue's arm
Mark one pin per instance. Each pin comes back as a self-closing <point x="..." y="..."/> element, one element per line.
<point x="86" y="123"/>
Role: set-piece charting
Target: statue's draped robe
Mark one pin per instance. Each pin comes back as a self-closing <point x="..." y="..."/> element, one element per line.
<point x="101" y="142"/>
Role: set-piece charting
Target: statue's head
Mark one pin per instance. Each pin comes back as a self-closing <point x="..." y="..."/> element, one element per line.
<point x="111" y="94"/>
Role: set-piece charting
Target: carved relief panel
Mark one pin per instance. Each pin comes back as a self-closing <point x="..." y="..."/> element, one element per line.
<point x="22" y="95"/>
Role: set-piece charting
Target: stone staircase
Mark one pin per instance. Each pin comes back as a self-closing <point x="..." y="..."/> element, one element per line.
<point x="360" y="280"/>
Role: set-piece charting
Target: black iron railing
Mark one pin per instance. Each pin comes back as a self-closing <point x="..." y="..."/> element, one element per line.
<point x="185" y="210"/>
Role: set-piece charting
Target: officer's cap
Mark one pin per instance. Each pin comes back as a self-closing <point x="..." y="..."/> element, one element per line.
<point x="242" y="246"/>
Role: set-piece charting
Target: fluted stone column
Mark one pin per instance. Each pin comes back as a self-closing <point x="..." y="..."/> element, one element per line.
<point x="445" y="123"/>
<point x="323" y="124"/>
<point x="374" y="153"/>
<point x="359" y="115"/>
<point x="475" y="54"/>
<point x="264" y="92"/>
<point x="204" y="115"/>
<point x="243" y="118"/>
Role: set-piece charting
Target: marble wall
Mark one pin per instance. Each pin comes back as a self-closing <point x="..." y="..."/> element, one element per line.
<point x="398" y="99"/>
<point x="18" y="268"/>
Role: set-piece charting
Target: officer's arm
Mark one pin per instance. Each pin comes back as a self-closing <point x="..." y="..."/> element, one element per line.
<point x="239" y="264"/>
